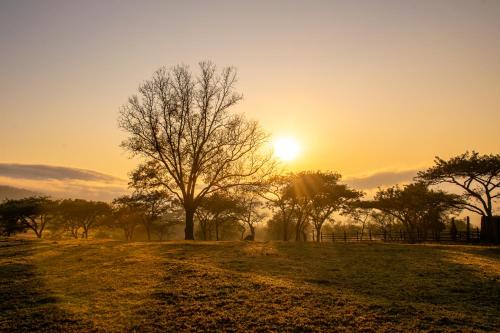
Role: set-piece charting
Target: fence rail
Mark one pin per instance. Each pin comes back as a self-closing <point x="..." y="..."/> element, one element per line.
<point x="403" y="236"/>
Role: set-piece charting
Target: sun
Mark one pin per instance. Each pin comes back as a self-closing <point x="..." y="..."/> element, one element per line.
<point x="287" y="149"/>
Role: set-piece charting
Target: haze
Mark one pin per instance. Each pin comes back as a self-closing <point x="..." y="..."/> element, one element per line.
<point x="368" y="87"/>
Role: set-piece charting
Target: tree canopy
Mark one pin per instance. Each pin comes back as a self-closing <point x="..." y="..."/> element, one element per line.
<point x="477" y="175"/>
<point x="418" y="208"/>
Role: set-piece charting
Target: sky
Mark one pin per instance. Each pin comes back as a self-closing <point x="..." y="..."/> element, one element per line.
<point x="371" y="89"/>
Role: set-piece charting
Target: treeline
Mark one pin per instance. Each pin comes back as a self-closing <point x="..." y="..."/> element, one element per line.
<point x="295" y="206"/>
<point x="76" y="218"/>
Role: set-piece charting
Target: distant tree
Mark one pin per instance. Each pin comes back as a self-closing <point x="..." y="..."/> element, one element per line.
<point x="153" y="204"/>
<point x="127" y="214"/>
<point x="32" y="213"/>
<point x="325" y="196"/>
<point x="304" y="197"/>
<point x="275" y="227"/>
<point x="383" y="222"/>
<point x="418" y="208"/>
<point x="68" y="218"/>
<point x="10" y="219"/>
<point x="276" y="191"/>
<point x="78" y="214"/>
<point x="361" y="213"/>
<point x="477" y="175"/>
<point x="250" y="211"/>
<point x="299" y="193"/>
<point x="163" y="226"/>
<point x="193" y="146"/>
<point x="215" y="210"/>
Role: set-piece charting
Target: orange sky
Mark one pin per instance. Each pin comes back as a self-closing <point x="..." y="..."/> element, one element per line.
<point x="364" y="87"/>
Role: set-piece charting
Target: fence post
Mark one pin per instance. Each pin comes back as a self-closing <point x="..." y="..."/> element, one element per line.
<point x="370" y="233"/>
<point x="385" y="235"/>
<point x="468" y="229"/>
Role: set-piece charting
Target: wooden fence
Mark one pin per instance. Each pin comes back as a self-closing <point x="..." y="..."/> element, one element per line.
<point x="470" y="236"/>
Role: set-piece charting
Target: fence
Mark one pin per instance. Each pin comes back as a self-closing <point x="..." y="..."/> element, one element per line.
<point x="469" y="236"/>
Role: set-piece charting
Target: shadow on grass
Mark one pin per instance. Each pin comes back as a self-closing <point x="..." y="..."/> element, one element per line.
<point x="425" y="282"/>
<point x="350" y="286"/>
<point x="25" y="304"/>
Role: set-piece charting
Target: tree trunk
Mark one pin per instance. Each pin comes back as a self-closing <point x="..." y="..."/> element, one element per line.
<point x="189" y="229"/>
<point x="318" y="234"/>
<point x="216" y="230"/>
<point x="298" y="230"/>
<point x="285" y="230"/>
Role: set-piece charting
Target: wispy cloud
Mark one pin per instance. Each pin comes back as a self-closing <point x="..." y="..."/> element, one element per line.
<point x="63" y="182"/>
<point x="49" y="172"/>
<point x="382" y="179"/>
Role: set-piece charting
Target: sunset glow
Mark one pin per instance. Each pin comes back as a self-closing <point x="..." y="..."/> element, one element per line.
<point x="287" y="149"/>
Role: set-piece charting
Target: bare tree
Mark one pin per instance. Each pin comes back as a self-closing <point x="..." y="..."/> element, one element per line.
<point x="193" y="146"/>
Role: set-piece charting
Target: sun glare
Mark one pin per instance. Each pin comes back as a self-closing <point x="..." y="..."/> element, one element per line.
<point x="286" y="149"/>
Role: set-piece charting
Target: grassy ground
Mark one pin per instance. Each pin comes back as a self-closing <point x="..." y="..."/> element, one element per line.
<point x="239" y="286"/>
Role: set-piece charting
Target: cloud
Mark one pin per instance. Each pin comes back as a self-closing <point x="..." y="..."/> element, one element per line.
<point x="49" y="172"/>
<point x="382" y="179"/>
<point x="63" y="182"/>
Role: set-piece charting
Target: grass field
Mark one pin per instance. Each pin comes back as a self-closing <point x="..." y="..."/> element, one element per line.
<point x="243" y="286"/>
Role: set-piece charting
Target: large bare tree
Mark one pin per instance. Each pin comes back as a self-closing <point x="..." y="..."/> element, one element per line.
<point x="192" y="145"/>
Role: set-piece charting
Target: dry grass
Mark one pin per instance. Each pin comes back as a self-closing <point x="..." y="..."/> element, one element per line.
<point x="238" y="286"/>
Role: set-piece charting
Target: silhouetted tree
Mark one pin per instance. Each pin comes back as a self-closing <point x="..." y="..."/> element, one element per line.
<point x="249" y="211"/>
<point x="32" y="213"/>
<point x="324" y="196"/>
<point x="306" y="196"/>
<point x="76" y="214"/>
<point x="275" y="227"/>
<point x="416" y="206"/>
<point x="127" y="214"/>
<point x="477" y="175"/>
<point x="154" y="204"/>
<point x="276" y="191"/>
<point x="361" y="213"/>
<point x="215" y="210"/>
<point x="10" y="218"/>
<point x="68" y="217"/>
<point x="163" y="225"/>
<point x="383" y="222"/>
<point x="193" y="146"/>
